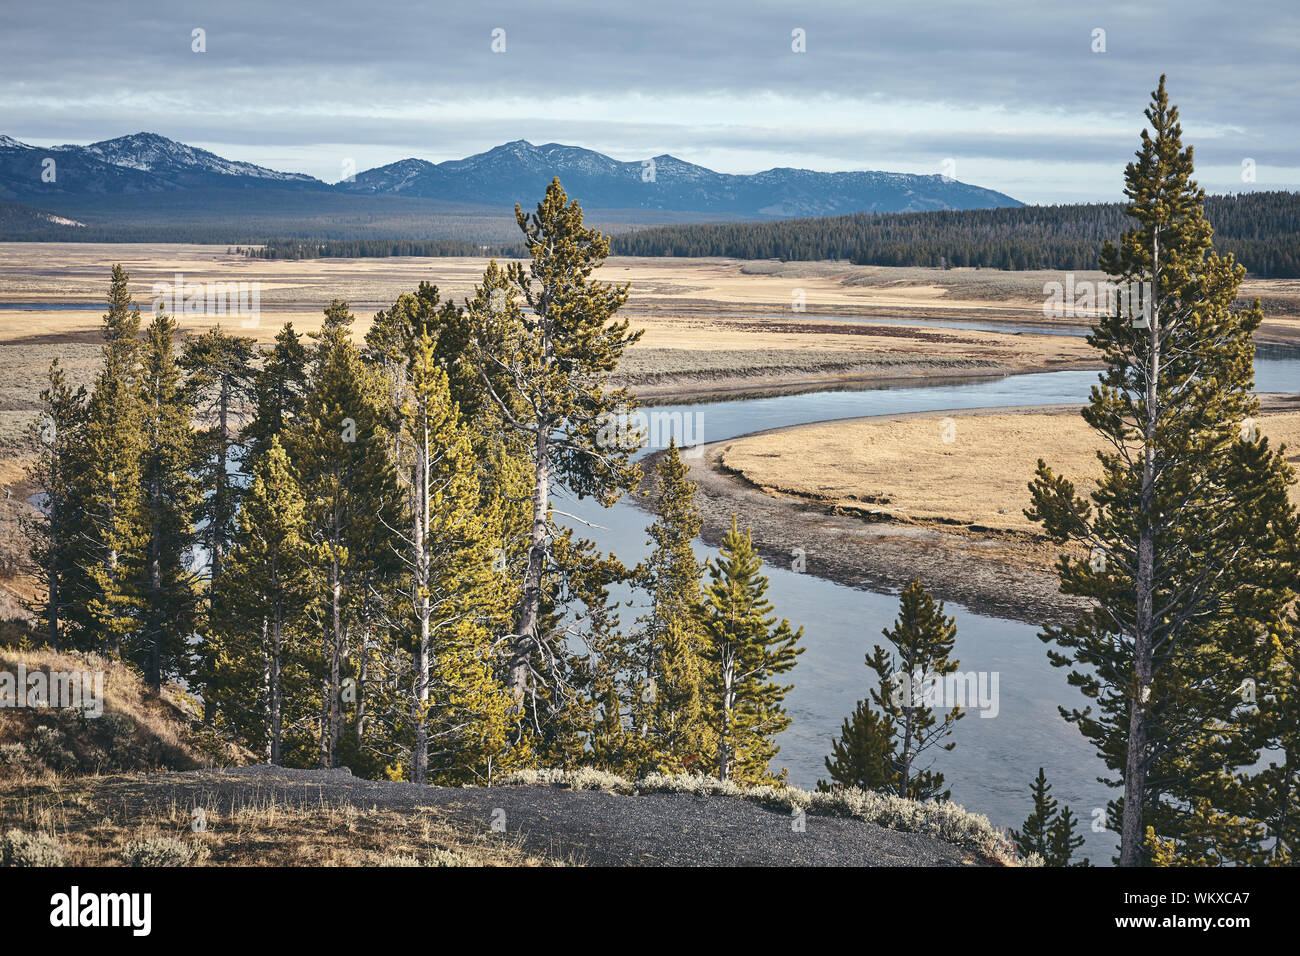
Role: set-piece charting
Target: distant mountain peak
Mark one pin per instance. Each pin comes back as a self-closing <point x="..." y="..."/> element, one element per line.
<point x="514" y="172"/>
<point x="155" y="153"/>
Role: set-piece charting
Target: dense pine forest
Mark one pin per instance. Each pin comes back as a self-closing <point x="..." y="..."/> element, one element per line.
<point x="376" y="249"/>
<point x="1262" y="229"/>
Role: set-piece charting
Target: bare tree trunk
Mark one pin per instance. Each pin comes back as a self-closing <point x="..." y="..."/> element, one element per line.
<point x="363" y="673"/>
<point x="1135" y="766"/>
<point x="907" y="748"/>
<point x="52" y="568"/>
<point x="276" y="708"/>
<point x="336" y="649"/>
<point x="266" y="686"/>
<point x="153" y="668"/>
<point x="420" y="764"/>
<point x="217" y="538"/>
<point x="728" y="702"/>
<point x="527" y="637"/>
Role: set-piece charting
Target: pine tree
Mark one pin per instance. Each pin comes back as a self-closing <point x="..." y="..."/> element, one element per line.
<point x="1062" y="840"/>
<point x="909" y="721"/>
<point x="547" y="372"/>
<point x="339" y="449"/>
<point x="221" y="390"/>
<point x="1275" y="787"/>
<point x="1049" y="833"/>
<point x="260" y="603"/>
<point x="105" y="487"/>
<point x="53" y="530"/>
<point x="278" y="390"/>
<point x="669" y="675"/>
<point x="745" y="648"/>
<point x="860" y="757"/>
<point x="1036" y="834"/>
<point x="170" y="497"/>
<point x="457" y="708"/>
<point x="1183" y="537"/>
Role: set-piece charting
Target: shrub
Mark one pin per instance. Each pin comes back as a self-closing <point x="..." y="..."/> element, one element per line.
<point x="30" y="849"/>
<point x="158" y="851"/>
<point x="17" y="762"/>
<point x="50" y="746"/>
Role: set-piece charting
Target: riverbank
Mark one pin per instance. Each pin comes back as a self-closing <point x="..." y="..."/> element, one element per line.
<point x="876" y="502"/>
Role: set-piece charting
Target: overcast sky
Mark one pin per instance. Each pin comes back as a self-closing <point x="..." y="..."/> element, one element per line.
<point x="1012" y="92"/>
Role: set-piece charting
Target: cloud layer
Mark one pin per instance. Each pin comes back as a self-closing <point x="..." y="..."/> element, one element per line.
<point x="1012" y="91"/>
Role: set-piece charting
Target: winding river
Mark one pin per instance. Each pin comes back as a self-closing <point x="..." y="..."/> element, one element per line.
<point x="995" y="759"/>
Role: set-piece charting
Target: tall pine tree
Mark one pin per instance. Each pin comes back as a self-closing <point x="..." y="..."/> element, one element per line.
<point x="746" y="648"/>
<point x="1182" y="541"/>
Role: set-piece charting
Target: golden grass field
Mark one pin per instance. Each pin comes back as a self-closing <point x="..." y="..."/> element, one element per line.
<point x="704" y="319"/>
<point x="712" y="327"/>
<point x="901" y="469"/>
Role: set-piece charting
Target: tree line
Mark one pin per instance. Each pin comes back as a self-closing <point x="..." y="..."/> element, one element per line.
<point x="377" y="249"/>
<point x="1261" y="229"/>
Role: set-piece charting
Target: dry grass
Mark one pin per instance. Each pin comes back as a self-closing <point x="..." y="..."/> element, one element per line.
<point x="901" y="469"/>
<point x="138" y="729"/>
<point x="94" y="820"/>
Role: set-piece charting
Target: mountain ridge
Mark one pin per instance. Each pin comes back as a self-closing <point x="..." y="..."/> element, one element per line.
<point x="513" y="172"/>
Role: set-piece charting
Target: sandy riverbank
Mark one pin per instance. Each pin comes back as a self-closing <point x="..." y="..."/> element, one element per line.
<point x="877" y="502"/>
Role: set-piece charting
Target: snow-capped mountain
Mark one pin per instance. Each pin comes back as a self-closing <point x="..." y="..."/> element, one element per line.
<point x="516" y="172"/>
<point x="128" y="165"/>
<point x="152" y="153"/>
<point x="519" y="172"/>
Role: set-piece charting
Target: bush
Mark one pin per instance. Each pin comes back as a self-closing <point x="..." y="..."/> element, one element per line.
<point x="30" y="849"/>
<point x="50" y="746"/>
<point x="17" y="762"/>
<point x="159" y="851"/>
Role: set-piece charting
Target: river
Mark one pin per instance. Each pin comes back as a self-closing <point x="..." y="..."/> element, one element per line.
<point x="996" y="757"/>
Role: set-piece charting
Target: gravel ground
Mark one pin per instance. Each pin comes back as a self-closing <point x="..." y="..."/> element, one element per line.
<point x="584" y="826"/>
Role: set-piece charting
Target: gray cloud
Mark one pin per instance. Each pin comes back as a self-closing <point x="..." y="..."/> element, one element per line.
<point x="406" y="78"/>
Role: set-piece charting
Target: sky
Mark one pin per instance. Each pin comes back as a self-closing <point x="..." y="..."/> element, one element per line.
<point x="1027" y="98"/>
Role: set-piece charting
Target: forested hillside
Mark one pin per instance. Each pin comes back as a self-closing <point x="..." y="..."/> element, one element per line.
<point x="1261" y="229"/>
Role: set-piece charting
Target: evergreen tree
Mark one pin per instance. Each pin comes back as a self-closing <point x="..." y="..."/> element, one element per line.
<point x="1036" y="834"/>
<point x="860" y="757"/>
<point x="745" y="648"/>
<point x="278" y="390"/>
<point x="908" y="723"/>
<point x="1183" y="537"/>
<point x="669" y="691"/>
<point x="458" y="708"/>
<point x="339" y="449"/>
<point x="1063" y="841"/>
<point x="1049" y="832"/>
<point x="221" y="390"/>
<point x="547" y="371"/>
<point x="260" y="603"/>
<point x="106" y="484"/>
<point x="170" y="498"/>
<point x="52" y="532"/>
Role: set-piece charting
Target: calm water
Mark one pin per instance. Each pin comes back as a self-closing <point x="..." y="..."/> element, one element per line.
<point x="995" y="758"/>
